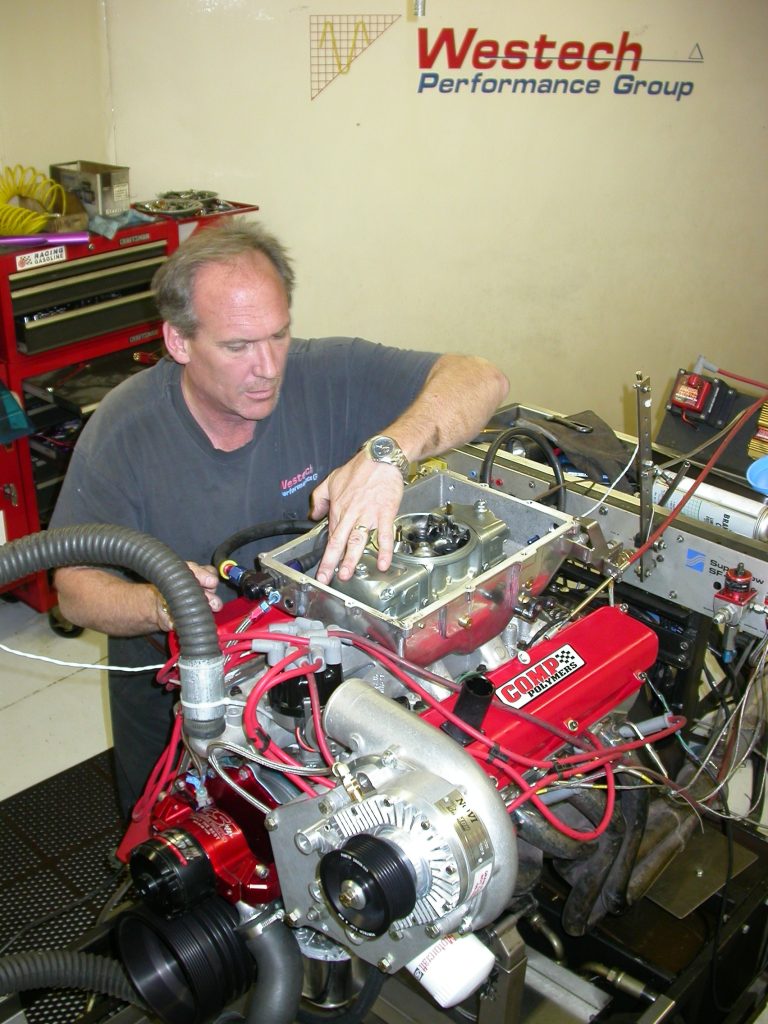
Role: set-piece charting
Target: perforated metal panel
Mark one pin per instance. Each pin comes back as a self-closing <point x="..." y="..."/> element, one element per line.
<point x="57" y="843"/>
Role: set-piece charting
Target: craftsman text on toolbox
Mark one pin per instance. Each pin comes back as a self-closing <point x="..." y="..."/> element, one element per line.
<point x="573" y="67"/>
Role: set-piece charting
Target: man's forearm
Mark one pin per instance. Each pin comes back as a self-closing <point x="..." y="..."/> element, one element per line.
<point x="459" y="396"/>
<point x="98" y="600"/>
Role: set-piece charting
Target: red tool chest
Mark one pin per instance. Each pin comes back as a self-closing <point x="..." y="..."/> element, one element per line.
<point x="66" y="311"/>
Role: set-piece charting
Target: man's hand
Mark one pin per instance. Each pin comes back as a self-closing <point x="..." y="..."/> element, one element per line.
<point x="101" y="600"/>
<point x="456" y="400"/>
<point x="358" y="497"/>
<point x="208" y="580"/>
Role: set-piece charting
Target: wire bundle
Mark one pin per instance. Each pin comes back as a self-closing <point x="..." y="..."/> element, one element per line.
<point x="593" y="755"/>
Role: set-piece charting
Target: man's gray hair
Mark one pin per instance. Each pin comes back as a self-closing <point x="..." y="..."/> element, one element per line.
<point x="224" y="242"/>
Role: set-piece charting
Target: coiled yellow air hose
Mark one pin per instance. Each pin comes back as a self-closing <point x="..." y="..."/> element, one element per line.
<point x="27" y="183"/>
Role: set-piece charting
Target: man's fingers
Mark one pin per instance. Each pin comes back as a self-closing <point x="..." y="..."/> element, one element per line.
<point x="330" y="559"/>
<point x="346" y="542"/>
<point x="386" y="545"/>
<point x="356" y="542"/>
<point x="319" y="502"/>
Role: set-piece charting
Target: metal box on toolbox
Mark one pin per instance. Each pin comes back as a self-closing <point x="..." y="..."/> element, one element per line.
<point x="467" y="611"/>
<point x="103" y="189"/>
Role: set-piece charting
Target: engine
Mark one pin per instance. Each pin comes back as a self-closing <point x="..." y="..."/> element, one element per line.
<point x="392" y="775"/>
<point x="400" y="754"/>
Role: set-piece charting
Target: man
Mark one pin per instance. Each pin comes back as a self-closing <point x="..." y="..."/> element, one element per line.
<point x="233" y="429"/>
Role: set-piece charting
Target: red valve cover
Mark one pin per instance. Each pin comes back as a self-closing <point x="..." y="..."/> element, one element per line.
<point x="570" y="681"/>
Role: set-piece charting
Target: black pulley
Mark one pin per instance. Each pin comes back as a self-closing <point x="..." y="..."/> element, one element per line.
<point x="172" y="872"/>
<point x="370" y="883"/>
<point x="186" y="969"/>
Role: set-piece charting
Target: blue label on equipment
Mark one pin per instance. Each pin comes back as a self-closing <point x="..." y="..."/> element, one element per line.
<point x="695" y="560"/>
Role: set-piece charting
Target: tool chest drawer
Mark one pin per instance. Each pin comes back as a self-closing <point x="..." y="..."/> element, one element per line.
<point x="89" y="291"/>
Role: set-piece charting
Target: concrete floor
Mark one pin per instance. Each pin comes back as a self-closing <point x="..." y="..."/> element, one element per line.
<point x="51" y="716"/>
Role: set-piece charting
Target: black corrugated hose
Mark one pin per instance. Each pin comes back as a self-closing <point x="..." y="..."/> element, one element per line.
<point x="96" y="544"/>
<point x="64" y="968"/>
<point x="276" y="953"/>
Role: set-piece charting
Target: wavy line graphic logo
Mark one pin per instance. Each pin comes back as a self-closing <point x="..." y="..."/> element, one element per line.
<point x="695" y="560"/>
<point x="335" y="40"/>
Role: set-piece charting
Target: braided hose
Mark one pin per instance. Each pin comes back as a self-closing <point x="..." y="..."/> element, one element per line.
<point x="64" y="968"/>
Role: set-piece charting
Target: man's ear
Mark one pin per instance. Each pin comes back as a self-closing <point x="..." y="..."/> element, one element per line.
<point x="176" y="345"/>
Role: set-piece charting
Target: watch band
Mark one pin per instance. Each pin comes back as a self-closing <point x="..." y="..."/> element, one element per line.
<point x="383" y="448"/>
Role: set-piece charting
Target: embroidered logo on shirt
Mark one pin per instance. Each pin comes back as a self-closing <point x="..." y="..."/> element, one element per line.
<point x="296" y="483"/>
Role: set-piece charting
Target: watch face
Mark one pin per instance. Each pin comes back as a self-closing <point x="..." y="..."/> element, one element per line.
<point x="381" y="447"/>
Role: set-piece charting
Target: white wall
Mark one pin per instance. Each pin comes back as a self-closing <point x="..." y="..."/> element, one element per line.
<point x="573" y="239"/>
<point x="54" y="83"/>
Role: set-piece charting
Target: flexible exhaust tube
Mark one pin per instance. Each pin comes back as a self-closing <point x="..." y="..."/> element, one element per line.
<point x="64" y="968"/>
<point x="201" y="664"/>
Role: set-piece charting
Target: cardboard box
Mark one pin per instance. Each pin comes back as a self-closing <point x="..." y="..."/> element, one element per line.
<point x="72" y="216"/>
<point x="102" y="188"/>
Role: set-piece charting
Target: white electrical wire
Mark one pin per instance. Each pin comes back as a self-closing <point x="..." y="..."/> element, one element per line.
<point x="755" y="682"/>
<point x="700" y="448"/>
<point x="617" y="481"/>
<point x="79" y="664"/>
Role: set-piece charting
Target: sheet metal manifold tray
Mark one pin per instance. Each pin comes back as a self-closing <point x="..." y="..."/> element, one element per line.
<point x="511" y="550"/>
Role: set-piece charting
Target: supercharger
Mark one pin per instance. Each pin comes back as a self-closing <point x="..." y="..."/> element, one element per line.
<point x="414" y="844"/>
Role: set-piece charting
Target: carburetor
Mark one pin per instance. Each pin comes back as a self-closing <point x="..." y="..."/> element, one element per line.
<point x="434" y="551"/>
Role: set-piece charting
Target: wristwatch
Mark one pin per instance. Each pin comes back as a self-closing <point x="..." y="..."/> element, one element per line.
<point x="382" y="448"/>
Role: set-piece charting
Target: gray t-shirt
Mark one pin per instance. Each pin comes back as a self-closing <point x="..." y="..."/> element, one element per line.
<point x="142" y="460"/>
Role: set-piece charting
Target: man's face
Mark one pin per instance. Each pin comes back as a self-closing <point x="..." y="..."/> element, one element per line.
<point x="234" y="364"/>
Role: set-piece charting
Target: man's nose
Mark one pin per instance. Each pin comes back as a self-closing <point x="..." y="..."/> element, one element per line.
<point x="266" y="360"/>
